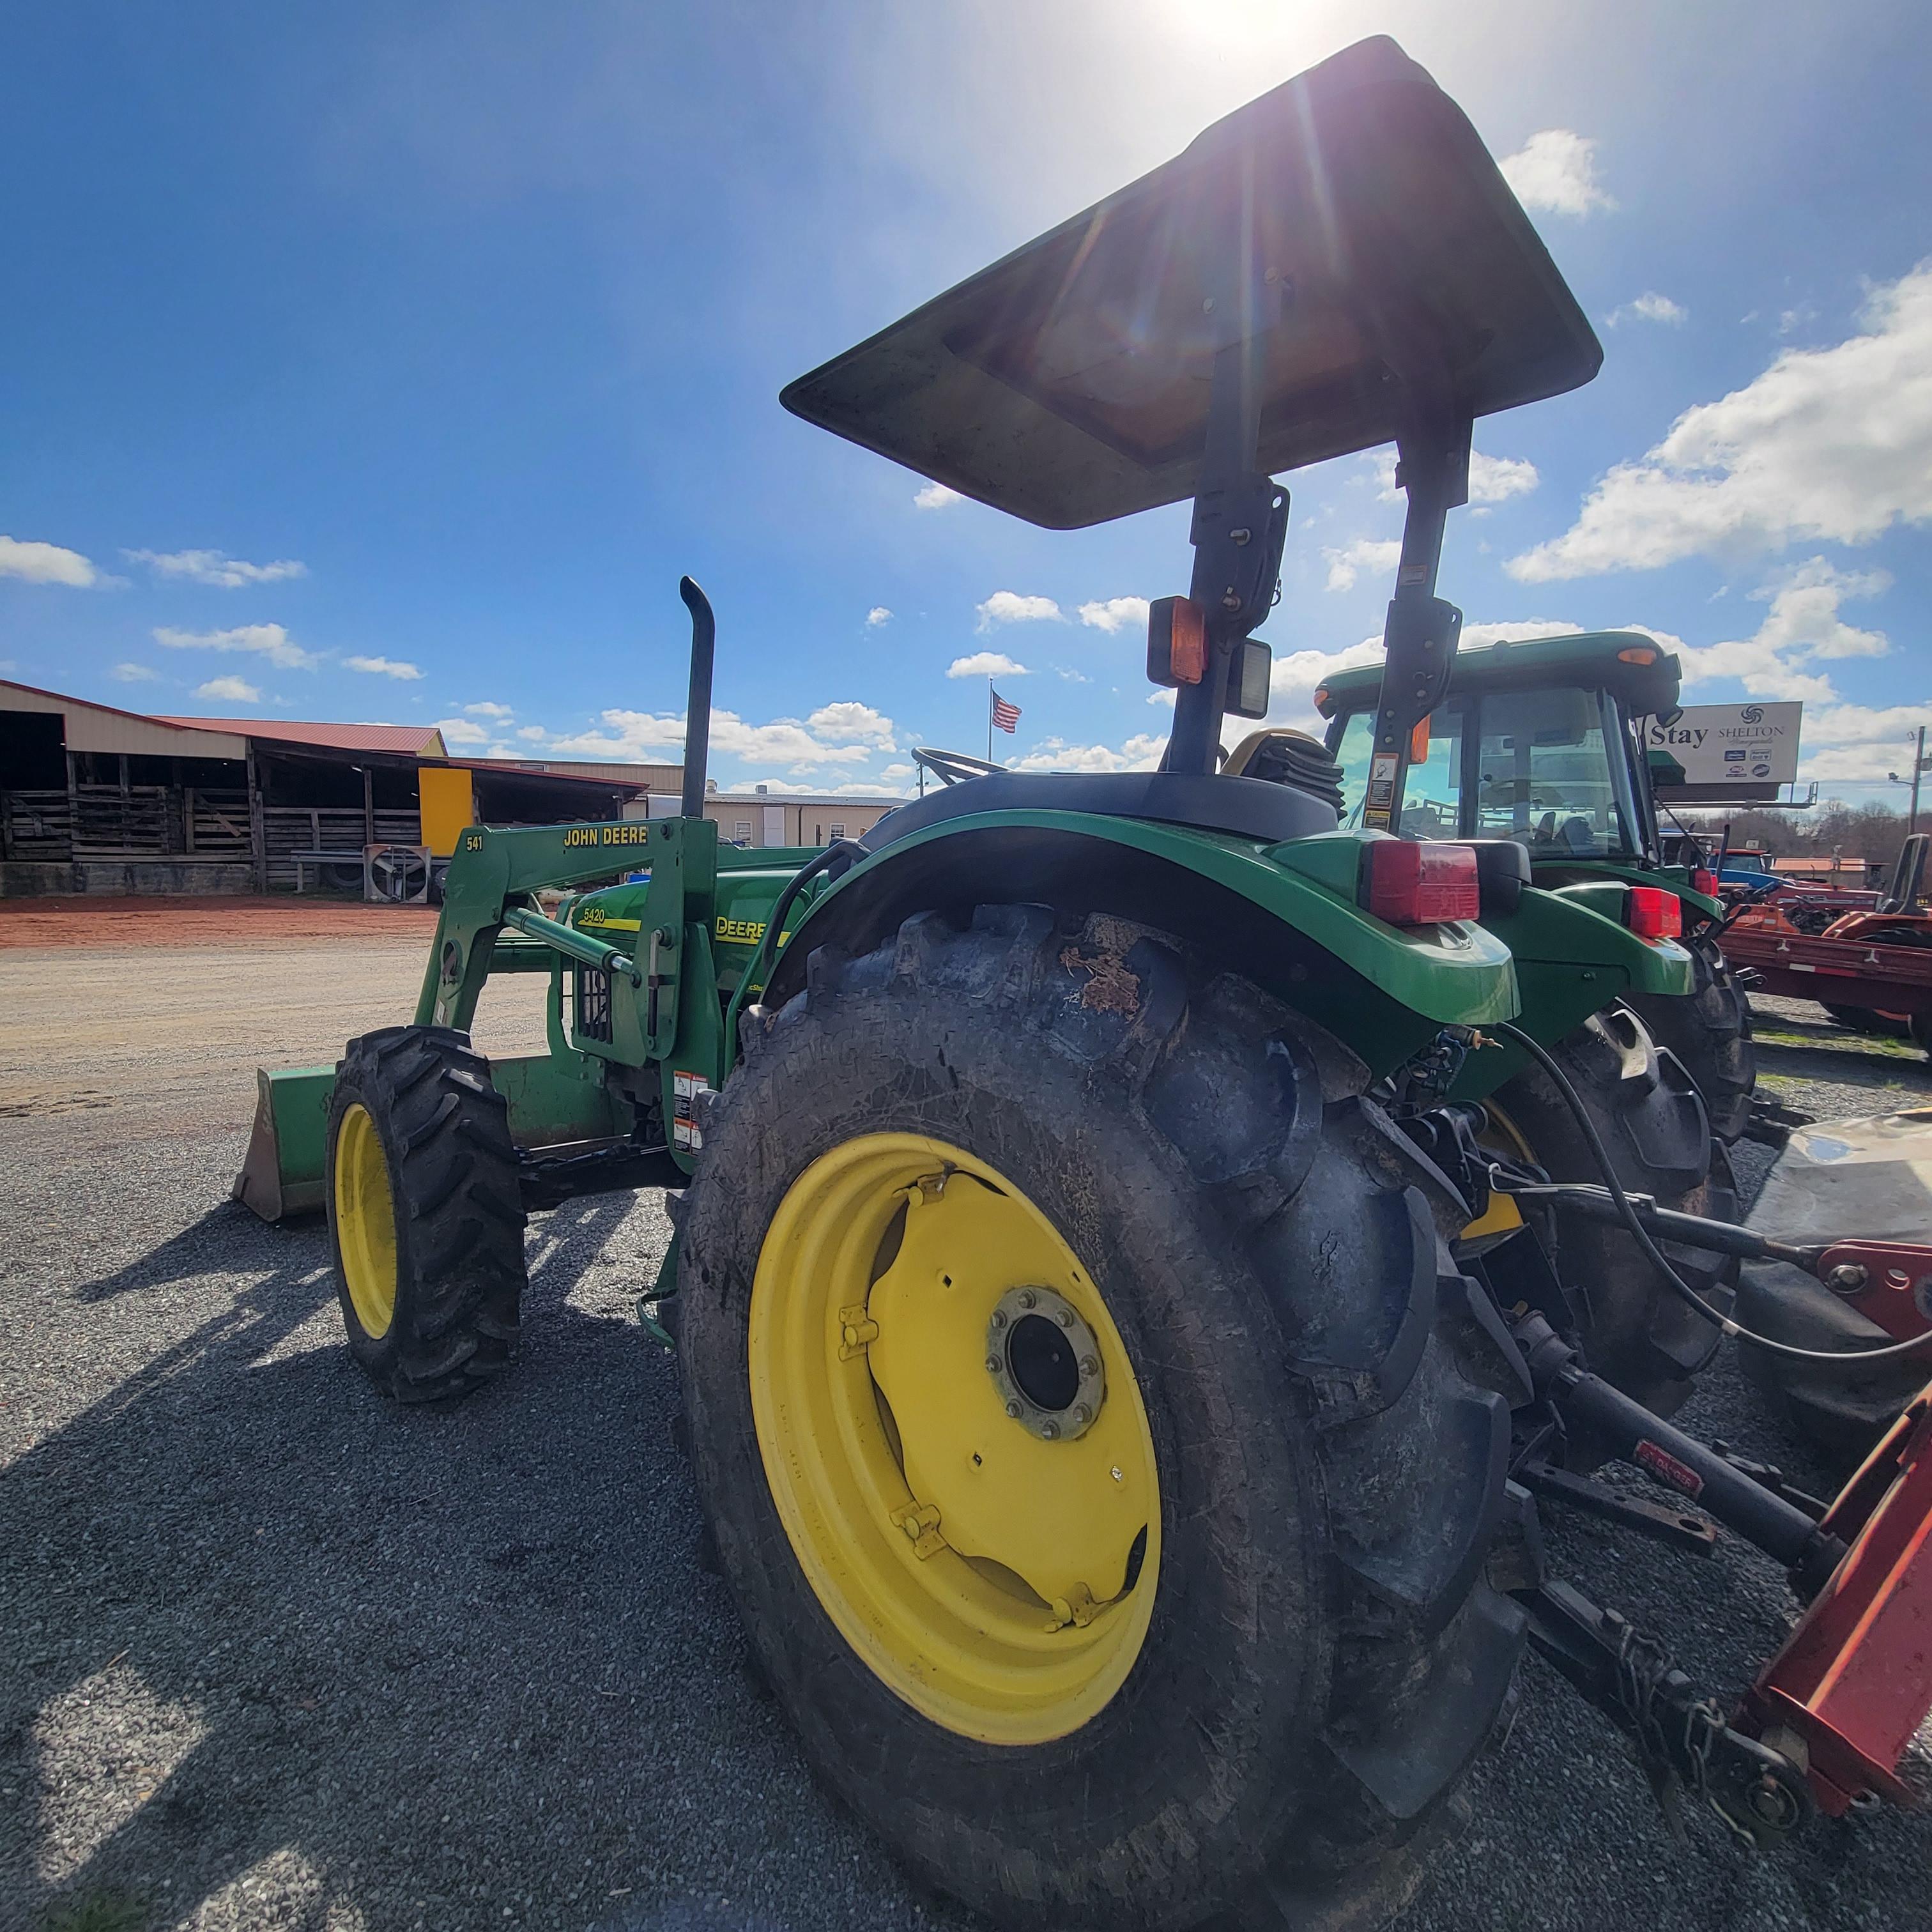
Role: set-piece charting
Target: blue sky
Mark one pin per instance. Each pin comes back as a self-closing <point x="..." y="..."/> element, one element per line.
<point x="393" y="361"/>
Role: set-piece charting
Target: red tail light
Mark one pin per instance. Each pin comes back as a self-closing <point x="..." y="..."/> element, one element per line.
<point x="1704" y="881"/>
<point x="1652" y="913"/>
<point x="1416" y="882"/>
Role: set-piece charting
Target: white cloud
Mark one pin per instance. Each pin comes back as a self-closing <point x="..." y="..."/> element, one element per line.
<point x="1827" y="443"/>
<point x="1801" y="629"/>
<point x="896" y="774"/>
<point x="395" y="668"/>
<point x="1649" y="307"/>
<point x="1141" y="753"/>
<point x="1071" y="676"/>
<point x="488" y="709"/>
<point x="1009" y="607"/>
<point x="986" y="664"/>
<point x="234" y="690"/>
<point x="269" y="640"/>
<point x="1859" y="741"/>
<point x="461" y="731"/>
<point x="936" y="496"/>
<point x="1555" y="172"/>
<point x="533" y="734"/>
<point x="1115" y="613"/>
<point x="45" y="563"/>
<point x="134" y="674"/>
<point x="851" y="723"/>
<point x="1370" y="553"/>
<point x="1492" y="479"/>
<point x="211" y="566"/>
<point x="878" y="615"/>
<point x="644" y="736"/>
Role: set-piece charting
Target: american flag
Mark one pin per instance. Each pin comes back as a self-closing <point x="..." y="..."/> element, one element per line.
<point x="1005" y="715"/>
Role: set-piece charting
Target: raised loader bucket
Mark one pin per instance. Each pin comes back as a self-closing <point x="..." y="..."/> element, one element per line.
<point x="283" y="1172"/>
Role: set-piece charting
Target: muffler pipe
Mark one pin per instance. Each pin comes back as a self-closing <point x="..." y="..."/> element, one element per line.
<point x="697" y="704"/>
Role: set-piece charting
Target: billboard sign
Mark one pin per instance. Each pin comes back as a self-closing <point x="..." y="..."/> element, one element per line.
<point x="1739" y="751"/>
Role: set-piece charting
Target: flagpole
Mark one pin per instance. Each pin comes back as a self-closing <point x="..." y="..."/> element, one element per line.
<point x="989" y="717"/>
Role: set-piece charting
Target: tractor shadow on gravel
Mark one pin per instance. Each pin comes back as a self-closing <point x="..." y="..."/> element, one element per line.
<point x="280" y="1649"/>
<point x="226" y="1239"/>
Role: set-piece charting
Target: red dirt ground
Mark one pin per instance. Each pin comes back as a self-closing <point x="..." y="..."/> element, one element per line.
<point x="168" y="920"/>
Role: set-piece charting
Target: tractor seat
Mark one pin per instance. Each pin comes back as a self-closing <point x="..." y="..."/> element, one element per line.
<point x="1285" y="757"/>
<point x="1249" y="808"/>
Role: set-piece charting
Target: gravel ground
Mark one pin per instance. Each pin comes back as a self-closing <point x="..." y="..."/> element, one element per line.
<point x="278" y="1655"/>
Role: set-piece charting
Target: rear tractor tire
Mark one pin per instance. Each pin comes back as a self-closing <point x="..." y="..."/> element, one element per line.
<point x="1648" y="1114"/>
<point x="425" y="1215"/>
<point x="1709" y="1029"/>
<point x="1098" y="1440"/>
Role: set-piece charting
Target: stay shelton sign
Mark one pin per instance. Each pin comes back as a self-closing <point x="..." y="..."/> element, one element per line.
<point x="1739" y="751"/>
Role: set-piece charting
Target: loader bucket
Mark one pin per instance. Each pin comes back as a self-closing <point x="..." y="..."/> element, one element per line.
<point x="282" y="1173"/>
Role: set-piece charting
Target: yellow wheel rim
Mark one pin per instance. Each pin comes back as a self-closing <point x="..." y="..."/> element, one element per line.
<point x="365" y="1222"/>
<point x="1500" y="1134"/>
<point x="999" y="1581"/>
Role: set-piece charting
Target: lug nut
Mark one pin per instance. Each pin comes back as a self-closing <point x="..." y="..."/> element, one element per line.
<point x="999" y="1321"/>
<point x="1090" y="1365"/>
<point x="1066" y="1318"/>
<point x="1082" y="1413"/>
<point x="1026" y="1298"/>
<point x="1013" y="1409"/>
<point x="1049" y="1431"/>
<point x="992" y="1365"/>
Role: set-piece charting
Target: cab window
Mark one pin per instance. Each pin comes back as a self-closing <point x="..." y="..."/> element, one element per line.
<point x="1546" y="775"/>
<point x="1431" y="799"/>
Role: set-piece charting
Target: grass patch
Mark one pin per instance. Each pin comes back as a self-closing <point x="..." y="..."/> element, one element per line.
<point x="1835" y="1041"/>
<point x="97" y="1910"/>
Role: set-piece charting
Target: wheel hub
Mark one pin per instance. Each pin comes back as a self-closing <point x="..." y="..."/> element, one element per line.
<point x="1045" y="1362"/>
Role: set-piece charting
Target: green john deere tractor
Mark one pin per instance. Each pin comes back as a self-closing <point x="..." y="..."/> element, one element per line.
<point x="1119" y="1381"/>
<point x="1542" y="742"/>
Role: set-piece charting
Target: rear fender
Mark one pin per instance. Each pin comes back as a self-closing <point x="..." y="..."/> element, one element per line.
<point x="1283" y="915"/>
<point x="1674" y="879"/>
<point x="1571" y="961"/>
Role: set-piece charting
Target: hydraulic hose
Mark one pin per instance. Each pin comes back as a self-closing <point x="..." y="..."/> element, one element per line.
<point x="1674" y="1281"/>
<point x="843" y="852"/>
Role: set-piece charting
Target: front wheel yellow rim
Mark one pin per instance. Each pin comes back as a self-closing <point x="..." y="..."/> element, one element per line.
<point x="365" y="1222"/>
<point x="955" y="1439"/>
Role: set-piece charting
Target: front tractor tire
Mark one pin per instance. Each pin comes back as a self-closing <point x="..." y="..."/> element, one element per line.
<point x="1096" y="1437"/>
<point x="425" y="1215"/>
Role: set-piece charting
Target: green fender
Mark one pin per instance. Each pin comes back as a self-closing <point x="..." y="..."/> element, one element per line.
<point x="1284" y="916"/>
<point x="1676" y="879"/>
<point x="1572" y="959"/>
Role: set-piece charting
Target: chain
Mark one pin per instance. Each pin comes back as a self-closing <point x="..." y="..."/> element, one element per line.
<point x="1643" y="1663"/>
<point x="1643" y="1667"/>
